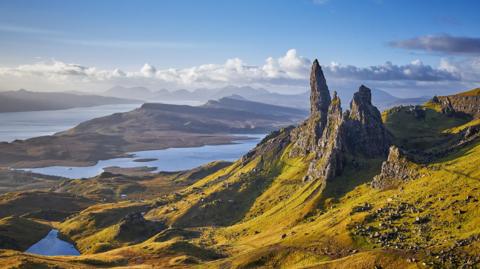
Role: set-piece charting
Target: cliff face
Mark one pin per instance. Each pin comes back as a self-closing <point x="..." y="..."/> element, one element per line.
<point x="467" y="102"/>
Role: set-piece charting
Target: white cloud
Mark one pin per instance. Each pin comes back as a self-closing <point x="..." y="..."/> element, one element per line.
<point x="295" y="66"/>
<point x="468" y="69"/>
<point x="148" y="70"/>
<point x="290" y="71"/>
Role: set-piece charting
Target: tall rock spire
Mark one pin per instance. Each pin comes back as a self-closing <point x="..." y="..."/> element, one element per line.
<point x="319" y="95"/>
<point x="306" y="137"/>
<point x="319" y="103"/>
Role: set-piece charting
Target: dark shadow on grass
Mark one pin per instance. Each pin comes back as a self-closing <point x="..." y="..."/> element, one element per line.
<point x="355" y="173"/>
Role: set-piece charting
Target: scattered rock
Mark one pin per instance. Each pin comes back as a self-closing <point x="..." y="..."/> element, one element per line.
<point x="361" y="208"/>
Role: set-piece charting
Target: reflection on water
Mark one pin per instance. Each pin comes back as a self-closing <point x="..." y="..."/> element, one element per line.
<point x="172" y="159"/>
<point x="51" y="245"/>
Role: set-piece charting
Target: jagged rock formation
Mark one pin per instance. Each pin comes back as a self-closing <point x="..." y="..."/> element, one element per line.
<point x="329" y="160"/>
<point x="358" y="132"/>
<point x="466" y="103"/>
<point x="319" y="96"/>
<point x="396" y="169"/>
<point x="332" y="135"/>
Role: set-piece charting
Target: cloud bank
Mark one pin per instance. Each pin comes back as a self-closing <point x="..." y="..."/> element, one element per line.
<point x="415" y="71"/>
<point x="290" y="71"/>
<point x="441" y="43"/>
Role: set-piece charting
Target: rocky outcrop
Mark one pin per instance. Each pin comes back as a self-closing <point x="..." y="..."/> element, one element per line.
<point x="359" y="132"/>
<point x="366" y="133"/>
<point x="332" y="135"/>
<point x="396" y="169"/>
<point x="463" y="103"/>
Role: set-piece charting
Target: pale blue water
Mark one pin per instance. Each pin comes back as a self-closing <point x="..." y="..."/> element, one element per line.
<point x="23" y="125"/>
<point x="51" y="245"/>
<point x="172" y="159"/>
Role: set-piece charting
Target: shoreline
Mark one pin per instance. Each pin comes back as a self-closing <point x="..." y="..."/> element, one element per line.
<point x="218" y="139"/>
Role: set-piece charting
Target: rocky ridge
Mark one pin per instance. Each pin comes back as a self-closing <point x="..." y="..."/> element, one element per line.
<point x="464" y="103"/>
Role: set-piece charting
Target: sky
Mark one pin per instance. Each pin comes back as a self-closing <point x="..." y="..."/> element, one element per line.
<point x="405" y="47"/>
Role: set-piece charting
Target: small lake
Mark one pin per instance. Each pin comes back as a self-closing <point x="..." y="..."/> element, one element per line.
<point x="23" y="125"/>
<point x="51" y="245"/>
<point x="168" y="160"/>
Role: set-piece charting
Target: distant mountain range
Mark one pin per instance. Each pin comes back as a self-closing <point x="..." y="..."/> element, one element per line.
<point x="23" y="100"/>
<point x="381" y="99"/>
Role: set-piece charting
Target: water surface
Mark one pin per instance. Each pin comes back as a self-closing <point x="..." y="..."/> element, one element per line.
<point x="51" y="245"/>
<point x="172" y="159"/>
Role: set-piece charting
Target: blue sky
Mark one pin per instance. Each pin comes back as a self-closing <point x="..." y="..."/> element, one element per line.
<point x="125" y="35"/>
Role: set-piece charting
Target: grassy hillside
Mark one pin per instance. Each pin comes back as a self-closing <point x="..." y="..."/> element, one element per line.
<point x="13" y="233"/>
<point x="473" y="92"/>
<point x="43" y="205"/>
